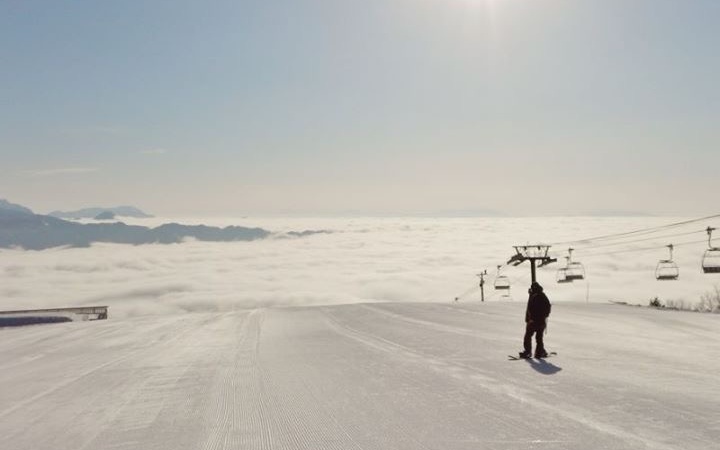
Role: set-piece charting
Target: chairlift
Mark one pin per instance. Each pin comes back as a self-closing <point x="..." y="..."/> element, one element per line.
<point x="574" y="270"/>
<point x="502" y="282"/>
<point x="561" y="276"/>
<point x="711" y="258"/>
<point x="666" y="268"/>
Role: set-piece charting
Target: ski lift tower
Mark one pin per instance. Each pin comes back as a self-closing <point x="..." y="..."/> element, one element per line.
<point x="536" y="254"/>
<point x="482" y="276"/>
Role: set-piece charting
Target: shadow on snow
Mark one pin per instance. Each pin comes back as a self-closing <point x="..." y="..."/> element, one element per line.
<point x="543" y="366"/>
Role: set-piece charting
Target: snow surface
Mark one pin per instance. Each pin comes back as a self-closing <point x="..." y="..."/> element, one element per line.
<point x="364" y="376"/>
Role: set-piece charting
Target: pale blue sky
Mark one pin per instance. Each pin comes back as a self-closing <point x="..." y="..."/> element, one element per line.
<point x="361" y="106"/>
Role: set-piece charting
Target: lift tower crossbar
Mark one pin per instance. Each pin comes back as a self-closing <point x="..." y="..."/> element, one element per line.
<point x="536" y="254"/>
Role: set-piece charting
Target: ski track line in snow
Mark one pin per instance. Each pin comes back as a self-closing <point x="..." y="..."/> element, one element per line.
<point x="222" y="413"/>
<point x="465" y="372"/>
<point x="240" y="408"/>
<point x="321" y="410"/>
<point x="384" y="346"/>
<point x="302" y="425"/>
<point x="164" y="417"/>
<point x="407" y="434"/>
<point x="55" y="335"/>
<point x="150" y="391"/>
<point x="76" y="379"/>
<point x="424" y="323"/>
<point x="264" y="415"/>
<point x="285" y="420"/>
<point x="303" y="415"/>
<point x="437" y="326"/>
<point x="248" y="412"/>
<point x="387" y="346"/>
<point x="400" y="353"/>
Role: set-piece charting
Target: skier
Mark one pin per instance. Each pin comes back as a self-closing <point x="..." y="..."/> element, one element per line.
<point x="538" y="309"/>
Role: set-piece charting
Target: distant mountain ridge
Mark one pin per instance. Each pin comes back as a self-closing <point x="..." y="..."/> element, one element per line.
<point x="7" y="206"/>
<point x="20" y="227"/>
<point x="105" y="215"/>
<point x="91" y="213"/>
<point x="36" y="232"/>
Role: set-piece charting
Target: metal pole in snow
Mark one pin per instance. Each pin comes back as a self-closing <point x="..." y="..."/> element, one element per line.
<point x="482" y="285"/>
<point x="532" y="269"/>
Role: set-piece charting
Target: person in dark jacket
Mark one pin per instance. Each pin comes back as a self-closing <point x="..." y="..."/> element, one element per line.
<point x="538" y="309"/>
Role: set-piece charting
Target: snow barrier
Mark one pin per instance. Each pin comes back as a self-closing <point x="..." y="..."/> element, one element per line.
<point x="53" y="315"/>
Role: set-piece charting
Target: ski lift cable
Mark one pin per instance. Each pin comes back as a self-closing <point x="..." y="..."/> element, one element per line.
<point x="630" y="234"/>
<point x="643" y="249"/>
<point x="637" y="232"/>
<point x="582" y="249"/>
<point x="490" y="296"/>
<point x="466" y="293"/>
<point x="654" y="238"/>
<point x="624" y="235"/>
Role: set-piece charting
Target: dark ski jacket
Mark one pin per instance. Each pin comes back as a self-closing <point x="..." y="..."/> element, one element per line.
<point x="538" y="306"/>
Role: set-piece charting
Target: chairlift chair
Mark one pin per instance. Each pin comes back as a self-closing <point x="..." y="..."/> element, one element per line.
<point x="574" y="270"/>
<point x="666" y="269"/>
<point x="711" y="258"/>
<point x="561" y="276"/>
<point x="502" y="282"/>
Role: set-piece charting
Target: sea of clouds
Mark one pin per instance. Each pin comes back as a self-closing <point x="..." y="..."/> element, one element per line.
<point x="361" y="260"/>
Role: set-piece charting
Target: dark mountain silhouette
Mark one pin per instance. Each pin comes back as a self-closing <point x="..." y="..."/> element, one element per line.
<point x="91" y="213"/>
<point x="105" y="215"/>
<point x="7" y="206"/>
<point x="19" y="228"/>
<point x="306" y="233"/>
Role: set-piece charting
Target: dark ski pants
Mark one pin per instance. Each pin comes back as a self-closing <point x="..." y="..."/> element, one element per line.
<point x="536" y="328"/>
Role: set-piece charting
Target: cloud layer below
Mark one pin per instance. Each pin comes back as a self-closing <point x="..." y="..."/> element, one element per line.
<point x="364" y="260"/>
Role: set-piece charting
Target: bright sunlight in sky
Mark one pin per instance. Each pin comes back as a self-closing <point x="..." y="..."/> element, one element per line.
<point x="375" y="107"/>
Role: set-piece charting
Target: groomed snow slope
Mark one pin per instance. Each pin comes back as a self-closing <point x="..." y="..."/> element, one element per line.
<point x="373" y="376"/>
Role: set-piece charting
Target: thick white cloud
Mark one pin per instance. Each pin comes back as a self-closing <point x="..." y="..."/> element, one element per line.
<point x="363" y="260"/>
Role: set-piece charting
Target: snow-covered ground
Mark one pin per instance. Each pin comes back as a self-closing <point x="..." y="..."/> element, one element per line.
<point x="364" y="376"/>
